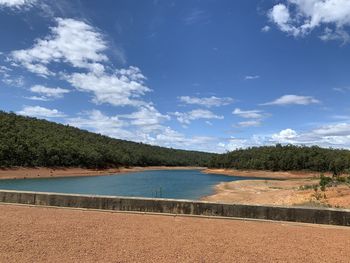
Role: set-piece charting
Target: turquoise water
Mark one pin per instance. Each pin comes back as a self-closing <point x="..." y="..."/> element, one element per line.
<point x="180" y="184"/>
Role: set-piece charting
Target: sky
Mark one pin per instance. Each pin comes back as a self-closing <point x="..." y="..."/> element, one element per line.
<point x="200" y="75"/>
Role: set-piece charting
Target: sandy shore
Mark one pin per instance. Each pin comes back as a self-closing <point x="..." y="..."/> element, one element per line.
<point x="287" y="192"/>
<point x="38" y="234"/>
<point x="41" y="172"/>
<point x="264" y="174"/>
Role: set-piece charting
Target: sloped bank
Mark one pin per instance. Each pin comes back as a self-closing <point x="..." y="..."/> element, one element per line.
<point x="184" y="207"/>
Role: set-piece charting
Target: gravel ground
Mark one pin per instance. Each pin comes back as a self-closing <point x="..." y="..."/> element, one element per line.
<point x="38" y="234"/>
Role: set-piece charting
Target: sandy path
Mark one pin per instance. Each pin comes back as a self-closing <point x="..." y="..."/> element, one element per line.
<point x="38" y="234"/>
<point x="42" y="172"/>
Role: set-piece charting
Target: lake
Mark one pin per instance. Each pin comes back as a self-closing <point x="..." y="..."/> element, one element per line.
<point x="178" y="184"/>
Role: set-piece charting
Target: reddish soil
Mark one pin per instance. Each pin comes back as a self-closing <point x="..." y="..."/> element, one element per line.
<point x="39" y="234"/>
<point x="265" y="174"/>
<point x="42" y="172"/>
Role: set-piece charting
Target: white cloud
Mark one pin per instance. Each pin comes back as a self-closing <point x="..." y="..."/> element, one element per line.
<point x="40" y="112"/>
<point x="98" y="122"/>
<point x="146" y="116"/>
<point x="293" y="99"/>
<point x="339" y="129"/>
<point x="300" y="17"/>
<point x="17" y="3"/>
<point x="47" y="93"/>
<point x="250" y="123"/>
<point x="206" y="102"/>
<point x="255" y="117"/>
<point x="335" y="135"/>
<point x="82" y="47"/>
<point x="38" y="98"/>
<point x="331" y="135"/>
<point x="187" y="117"/>
<point x="8" y="77"/>
<point x="342" y="90"/>
<point x="285" y="136"/>
<point x="234" y="143"/>
<point x="249" y="114"/>
<point x="251" y="77"/>
<point x="266" y="29"/>
<point x="121" y="88"/>
<point x="120" y="127"/>
<point x="71" y="41"/>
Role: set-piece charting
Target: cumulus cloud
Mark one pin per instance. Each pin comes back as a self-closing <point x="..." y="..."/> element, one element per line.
<point x="285" y="136"/>
<point x="188" y="117"/>
<point x="82" y="46"/>
<point x="120" y="127"/>
<point x="47" y="93"/>
<point x="335" y="135"/>
<point x="300" y="17"/>
<point x="206" y="101"/>
<point x="146" y="116"/>
<point x="71" y="41"/>
<point x="17" y="3"/>
<point x="120" y="88"/>
<point x="40" y="112"/>
<point x="293" y="99"/>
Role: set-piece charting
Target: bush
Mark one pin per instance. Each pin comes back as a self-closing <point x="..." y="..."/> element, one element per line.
<point x="324" y="181"/>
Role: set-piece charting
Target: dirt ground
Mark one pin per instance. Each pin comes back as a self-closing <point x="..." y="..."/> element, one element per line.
<point x="264" y="174"/>
<point x="39" y="234"/>
<point x="42" y="172"/>
<point x="285" y="192"/>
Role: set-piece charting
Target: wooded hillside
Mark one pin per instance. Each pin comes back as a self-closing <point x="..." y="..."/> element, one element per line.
<point x="285" y="158"/>
<point x="28" y="141"/>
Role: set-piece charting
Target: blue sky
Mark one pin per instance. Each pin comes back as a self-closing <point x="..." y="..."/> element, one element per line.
<point x="202" y="75"/>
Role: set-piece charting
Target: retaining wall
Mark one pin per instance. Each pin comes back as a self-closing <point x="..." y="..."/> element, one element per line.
<point x="172" y="206"/>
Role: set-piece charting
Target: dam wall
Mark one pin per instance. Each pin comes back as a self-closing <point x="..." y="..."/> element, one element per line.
<point x="180" y="207"/>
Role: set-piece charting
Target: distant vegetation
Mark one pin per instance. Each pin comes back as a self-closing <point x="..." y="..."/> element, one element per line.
<point x="285" y="158"/>
<point x="31" y="142"/>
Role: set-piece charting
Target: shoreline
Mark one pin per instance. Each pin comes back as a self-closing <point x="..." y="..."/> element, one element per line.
<point x="43" y="172"/>
<point x="266" y="174"/>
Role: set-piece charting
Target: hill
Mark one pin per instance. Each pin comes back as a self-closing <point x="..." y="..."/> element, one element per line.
<point x="30" y="142"/>
<point x="285" y="158"/>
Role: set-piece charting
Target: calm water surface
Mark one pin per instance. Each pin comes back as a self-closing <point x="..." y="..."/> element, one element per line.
<point x="180" y="184"/>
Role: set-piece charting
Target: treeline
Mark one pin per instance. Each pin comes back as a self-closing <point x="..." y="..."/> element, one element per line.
<point x="32" y="142"/>
<point x="285" y="158"/>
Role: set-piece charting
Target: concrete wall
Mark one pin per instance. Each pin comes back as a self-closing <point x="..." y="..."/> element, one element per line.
<point x="293" y="214"/>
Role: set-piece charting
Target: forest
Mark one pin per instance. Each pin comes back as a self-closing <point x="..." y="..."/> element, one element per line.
<point x="285" y="158"/>
<point x="30" y="142"/>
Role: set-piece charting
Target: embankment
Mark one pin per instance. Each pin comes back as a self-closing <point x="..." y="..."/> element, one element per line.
<point x="184" y="207"/>
<point x="43" y="172"/>
<point x="265" y="174"/>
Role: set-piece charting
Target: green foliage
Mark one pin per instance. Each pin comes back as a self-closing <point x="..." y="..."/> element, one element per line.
<point x="285" y="158"/>
<point x="28" y="141"/>
<point x="324" y="181"/>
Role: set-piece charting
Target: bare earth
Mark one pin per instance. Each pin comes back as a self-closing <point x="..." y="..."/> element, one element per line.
<point x="41" y="172"/>
<point x="287" y="192"/>
<point x="264" y="174"/>
<point x="39" y="234"/>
